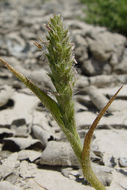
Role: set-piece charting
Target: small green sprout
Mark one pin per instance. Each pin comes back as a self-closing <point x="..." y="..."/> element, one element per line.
<point x="61" y="61"/>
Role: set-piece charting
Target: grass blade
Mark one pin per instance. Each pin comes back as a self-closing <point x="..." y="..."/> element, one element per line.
<point x="47" y="101"/>
<point x="86" y="164"/>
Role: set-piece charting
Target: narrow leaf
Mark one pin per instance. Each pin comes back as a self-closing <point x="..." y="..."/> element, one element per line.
<point x="86" y="164"/>
<point x="93" y="126"/>
<point x="47" y="101"/>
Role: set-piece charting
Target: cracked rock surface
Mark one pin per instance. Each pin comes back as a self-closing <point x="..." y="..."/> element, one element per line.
<point x="34" y="153"/>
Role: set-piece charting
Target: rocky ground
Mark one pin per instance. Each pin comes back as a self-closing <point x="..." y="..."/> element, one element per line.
<point x="34" y="152"/>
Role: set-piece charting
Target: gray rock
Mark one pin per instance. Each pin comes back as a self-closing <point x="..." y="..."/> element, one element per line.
<point x="105" y="44"/>
<point x="21" y="102"/>
<point x="43" y="135"/>
<point x="4" y="154"/>
<point x="43" y="127"/>
<point x="123" y="186"/>
<point x="82" y="82"/>
<point x="109" y="91"/>
<point x="106" y="50"/>
<point x="98" y="99"/>
<point x="84" y="119"/>
<point x="15" y="144"/>
<point x="5" y="185"/>
<point x="122" y="79"/>
<point x="80" y="104"/>
<point x="103" y="80"/>
<point x="6" y="133"/>
<point x="121" y="68"/>
<point x="80" y="47"/>
<point x="70" y="173"/>
<point x="96" y="155"/>
<point x="79" y="26"/>
<point x="104" y="174"/>
<point x="6" y="93"/>
<point x="13" y="177"/>
<point x="40" y="77"/>
<point x="25" y="170"/>
<point x="9" y="165"/>
<point x="123" y="161"/>
<point x="15" y="43"/>
<point x="30" y="155"/>
<point x="53" y="180"/>
<point x="101" y="52"/>
<point x="110" y="161"/>
<point x="20" y="128"/>
<point x="58" y="154"/>
<point x="12" y="61"/>
<point x="88" y="68"/>
<point x="112" y="143"/>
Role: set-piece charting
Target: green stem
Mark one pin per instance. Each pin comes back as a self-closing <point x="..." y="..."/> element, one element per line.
<point x="75" y="143"/>
<point x="88" y="172"/>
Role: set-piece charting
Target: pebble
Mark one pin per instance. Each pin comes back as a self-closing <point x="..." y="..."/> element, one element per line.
<point x="123" y="161"/>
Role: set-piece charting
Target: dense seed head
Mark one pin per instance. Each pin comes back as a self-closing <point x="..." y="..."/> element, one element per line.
<point x="60" y="57"/>
<point x="61" y="61"/>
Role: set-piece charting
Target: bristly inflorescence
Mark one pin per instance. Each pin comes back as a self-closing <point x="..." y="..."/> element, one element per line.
<point x="61" y="61"/>
<point x="60" y="56"/>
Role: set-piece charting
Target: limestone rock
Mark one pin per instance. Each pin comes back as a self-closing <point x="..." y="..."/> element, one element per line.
<point x="5" y="185"/>
<point x="9" y="165"/>
<point x="58" y="154"/>
<point x="15" y="144"/>
<point x="30" y="155"/>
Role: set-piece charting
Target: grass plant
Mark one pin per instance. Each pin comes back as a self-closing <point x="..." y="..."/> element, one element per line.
<point x="110" y="13"/>
<point x="61" y="62"/>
